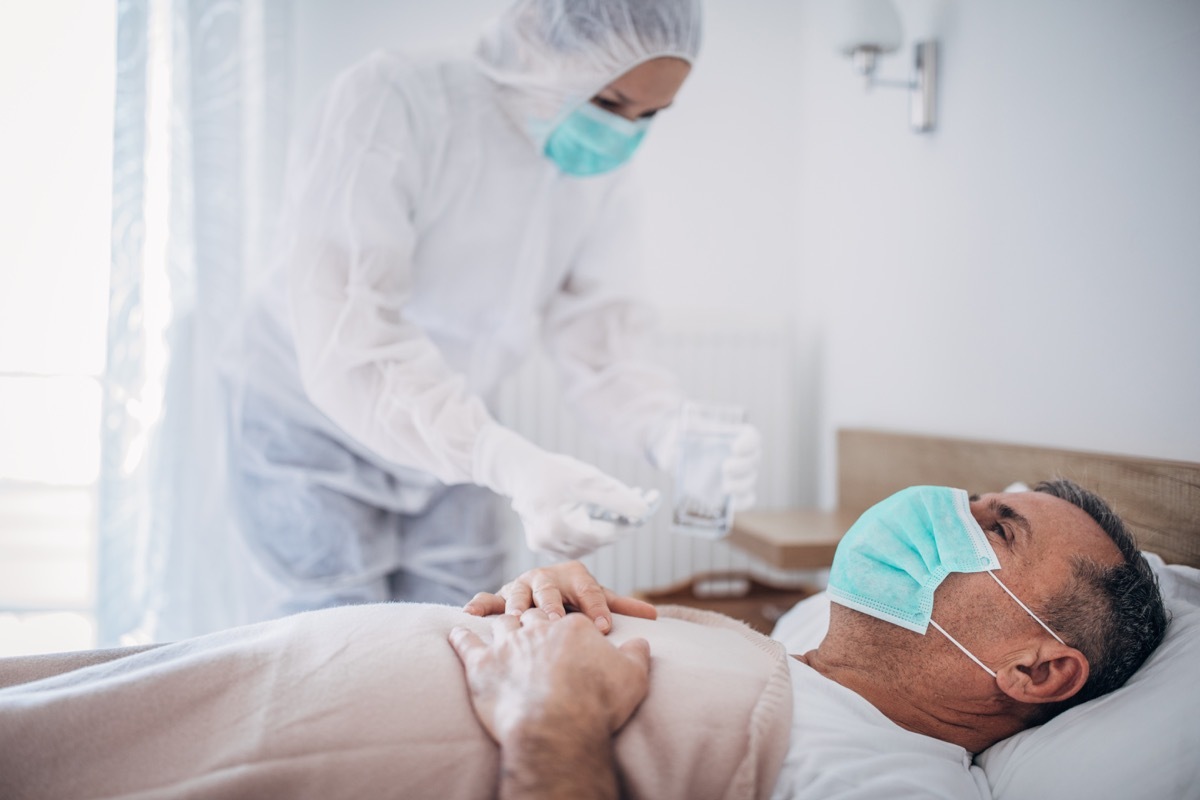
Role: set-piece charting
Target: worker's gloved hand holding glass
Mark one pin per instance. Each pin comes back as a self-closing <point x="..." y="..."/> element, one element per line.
<point x="740" y="470"/>
<point x="685" y="434"/>
<point x="557" y="497"/>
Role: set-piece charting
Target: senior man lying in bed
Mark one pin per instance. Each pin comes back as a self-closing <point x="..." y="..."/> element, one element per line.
<point x="1045" y="603"/>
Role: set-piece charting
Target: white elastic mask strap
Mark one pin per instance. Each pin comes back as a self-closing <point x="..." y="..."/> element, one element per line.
<point x="1027" y="611"/>
<point x="954" y="641"/>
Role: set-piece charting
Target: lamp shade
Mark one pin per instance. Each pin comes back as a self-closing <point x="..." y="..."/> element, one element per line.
<point x="864" y="23"/>
<point x="923" y="19"/>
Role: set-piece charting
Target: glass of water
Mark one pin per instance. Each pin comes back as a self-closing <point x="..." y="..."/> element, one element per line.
<point x="701" y="506"/>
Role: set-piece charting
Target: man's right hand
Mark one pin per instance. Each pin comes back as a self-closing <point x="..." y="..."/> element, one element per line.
<point x="556" y="589"/>
<point x="534" y="670"/>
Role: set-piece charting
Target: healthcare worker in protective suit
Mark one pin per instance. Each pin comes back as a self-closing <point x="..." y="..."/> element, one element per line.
<point x="441" y="216"/>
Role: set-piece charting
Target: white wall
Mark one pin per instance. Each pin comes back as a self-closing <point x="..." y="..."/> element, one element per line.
<point x="332" y="34"/>
<point x="1030" y="272"/>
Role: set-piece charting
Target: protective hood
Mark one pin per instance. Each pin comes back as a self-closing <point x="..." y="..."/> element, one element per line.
<point x="548" y="57"/>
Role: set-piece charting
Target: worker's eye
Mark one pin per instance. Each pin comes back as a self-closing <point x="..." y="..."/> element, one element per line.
<point x="606" y="104"/>
<point x="649" y="114"/>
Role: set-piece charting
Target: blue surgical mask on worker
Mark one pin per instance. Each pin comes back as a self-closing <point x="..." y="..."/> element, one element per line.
<point x="890" y="563"/>
<point x="592" y="141"/>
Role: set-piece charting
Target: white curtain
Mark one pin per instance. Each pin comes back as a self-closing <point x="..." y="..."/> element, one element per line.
<point x="200" y="136"/>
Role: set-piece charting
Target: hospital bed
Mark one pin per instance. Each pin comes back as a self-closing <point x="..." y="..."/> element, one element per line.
<point x="183" y="718"/>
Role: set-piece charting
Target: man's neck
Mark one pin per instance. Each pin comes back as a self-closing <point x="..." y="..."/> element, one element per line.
<point x="942" y="706"/>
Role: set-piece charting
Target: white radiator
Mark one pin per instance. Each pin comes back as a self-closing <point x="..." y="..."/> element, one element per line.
<point x="752" y="366"/>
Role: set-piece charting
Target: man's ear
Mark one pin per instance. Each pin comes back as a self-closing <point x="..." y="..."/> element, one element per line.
<point x="1050" y="673"/>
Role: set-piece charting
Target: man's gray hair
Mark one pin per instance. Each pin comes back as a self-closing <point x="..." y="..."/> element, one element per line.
<point x="1113" y="615"/>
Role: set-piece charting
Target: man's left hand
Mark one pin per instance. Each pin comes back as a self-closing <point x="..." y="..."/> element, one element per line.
<point x="553" y="589"/>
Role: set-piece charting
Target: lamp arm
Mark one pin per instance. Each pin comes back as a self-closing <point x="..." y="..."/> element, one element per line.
<point x="922" y="86"/>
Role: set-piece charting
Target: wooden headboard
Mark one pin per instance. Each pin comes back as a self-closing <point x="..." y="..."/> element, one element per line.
<point x="1159" y="500"/>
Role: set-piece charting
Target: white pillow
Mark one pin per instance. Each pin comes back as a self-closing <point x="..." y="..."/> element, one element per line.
<point x="803" y="626"/>
<point x="1139" y="741"/>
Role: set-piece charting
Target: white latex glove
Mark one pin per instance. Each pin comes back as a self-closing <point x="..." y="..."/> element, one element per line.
<point x="552" y="494"/>
<point x="739" y="471"/>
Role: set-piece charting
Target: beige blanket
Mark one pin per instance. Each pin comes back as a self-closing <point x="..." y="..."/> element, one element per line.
<point x="370" y="702"/>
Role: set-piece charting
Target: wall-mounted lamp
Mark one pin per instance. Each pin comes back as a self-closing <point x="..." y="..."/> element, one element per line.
<point x="869" y="29"/>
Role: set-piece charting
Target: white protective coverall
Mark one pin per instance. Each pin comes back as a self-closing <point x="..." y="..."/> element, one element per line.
<point x="427" y="245"/>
